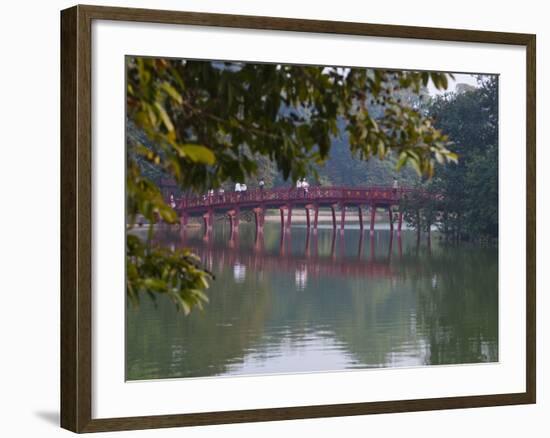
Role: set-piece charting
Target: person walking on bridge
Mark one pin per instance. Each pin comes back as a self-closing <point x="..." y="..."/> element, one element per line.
<point x="261" y="184"/>
<point x="305" y="186"/>
<point x="299" y="186"/>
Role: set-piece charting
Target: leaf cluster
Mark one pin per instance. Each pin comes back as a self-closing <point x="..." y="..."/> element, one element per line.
<point x="176" y="274"/>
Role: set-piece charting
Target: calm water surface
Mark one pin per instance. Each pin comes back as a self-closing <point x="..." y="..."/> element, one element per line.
<point x="320" y="303"/>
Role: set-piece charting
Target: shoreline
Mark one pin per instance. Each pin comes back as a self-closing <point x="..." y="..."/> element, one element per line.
<point x="324" y="218"/>
<point x="327" y="218"/>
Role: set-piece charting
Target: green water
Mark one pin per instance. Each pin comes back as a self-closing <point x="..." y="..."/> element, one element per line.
<point x="321" y="303"/>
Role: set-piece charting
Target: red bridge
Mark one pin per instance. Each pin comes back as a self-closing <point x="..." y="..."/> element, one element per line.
<point x="285" y="199"/>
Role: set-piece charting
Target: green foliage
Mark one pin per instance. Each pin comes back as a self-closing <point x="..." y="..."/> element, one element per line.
<point x="344" y="169"/>
<point x="481" y="184"/>
<point x="144" y="197"/>
<point x="421" y="208"/>
<point x="470" y="187"/>
<point x="209" y="123"/>
<point x="287" y="113"/>
<point x="174" y="273"/>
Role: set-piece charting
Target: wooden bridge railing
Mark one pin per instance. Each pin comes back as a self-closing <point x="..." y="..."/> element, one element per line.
<point x="385" y="195"/>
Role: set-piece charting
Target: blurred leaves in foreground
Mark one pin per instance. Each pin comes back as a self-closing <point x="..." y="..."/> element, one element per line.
<point x="211" y="122"/>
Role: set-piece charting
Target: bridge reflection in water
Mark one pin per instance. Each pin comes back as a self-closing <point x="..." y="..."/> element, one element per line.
<point x="343" y="255"/>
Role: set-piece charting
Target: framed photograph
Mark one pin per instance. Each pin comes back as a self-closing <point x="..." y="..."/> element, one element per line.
<point x="269" y="218"/>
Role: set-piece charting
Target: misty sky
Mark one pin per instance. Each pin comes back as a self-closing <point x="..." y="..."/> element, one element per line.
<point x="459" y="79"/>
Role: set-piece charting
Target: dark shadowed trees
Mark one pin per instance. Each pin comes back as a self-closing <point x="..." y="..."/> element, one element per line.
<point x="470" y="186"/>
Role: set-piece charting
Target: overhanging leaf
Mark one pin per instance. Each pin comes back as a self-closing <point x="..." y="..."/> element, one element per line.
<point x="197" y="153"/>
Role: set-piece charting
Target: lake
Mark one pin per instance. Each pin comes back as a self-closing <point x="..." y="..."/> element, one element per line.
<point x="320" y="302"/>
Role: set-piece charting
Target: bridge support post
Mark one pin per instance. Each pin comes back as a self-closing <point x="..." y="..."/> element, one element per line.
<point x="236" y="221"/>
<point x="342" y="217"/>
<point x="208" y="218"/>
<point x="259" y="241"/>
<point x="309" y="207"/>
<point x="233" y="222"/>
<point x="372" y="218"/>
<point x="390" y="214"/>
<point x="259" y="219"/>
<point x="360" y="213"/>
<point x="333" y="217"/>
<point x="289" y="217"/>
<point x="399" y="223"/>
<point x="282" y="210"/>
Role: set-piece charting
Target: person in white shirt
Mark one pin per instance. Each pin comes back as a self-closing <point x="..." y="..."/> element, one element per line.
<point x="210" y="196"/>
<point x="305" y="186"/>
